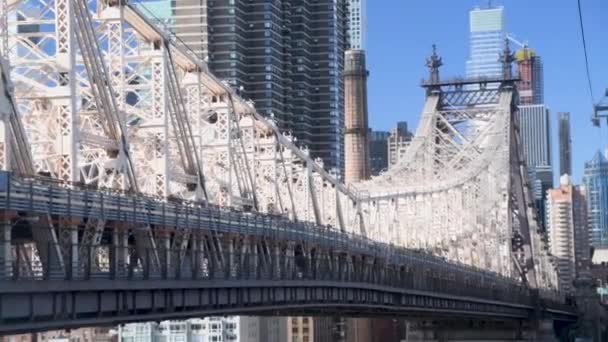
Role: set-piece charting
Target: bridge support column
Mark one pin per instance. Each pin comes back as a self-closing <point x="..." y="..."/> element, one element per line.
<point x="120" y="245"/>
<point x="231" y="259"/>
<point x="276" y="263"/>
<point x="74" y="262"/>
<point x="254" y="264"/>
<point x="164" y="245"/>
<point x="289" y="261"/>
<point x="6" y="253"/>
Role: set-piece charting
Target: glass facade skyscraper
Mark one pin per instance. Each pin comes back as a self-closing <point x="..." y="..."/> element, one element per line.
<point x="378" y="151"/>
<point x="595" y="179"/>
<point x="287" y="56"/>
<point x="565" y="144"/>
<point x="535" y="138"/>
<point x="487" y="35"/>
<point x="357" y="24"/>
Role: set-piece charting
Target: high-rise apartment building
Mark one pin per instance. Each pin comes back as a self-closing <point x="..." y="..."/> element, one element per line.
<point x="568" y="234"/>
<point x="535" y="138"/>
<point x="378" y="151"/>
<point x="530" y="71"/>
<point x="286" y="56"/>
<point x="595" y="178"/>
<point x="565" y="144"/>
<point x="398" y="142"/>
<point x="487" y="35"/>
<point x="357" y="24"/>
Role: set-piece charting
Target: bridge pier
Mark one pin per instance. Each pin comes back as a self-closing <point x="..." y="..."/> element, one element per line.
<point x="487" y="331"/>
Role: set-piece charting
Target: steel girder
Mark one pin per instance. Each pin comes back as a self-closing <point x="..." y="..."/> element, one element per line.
<point x="462" y="190"/>
<point x="180" y="133"/>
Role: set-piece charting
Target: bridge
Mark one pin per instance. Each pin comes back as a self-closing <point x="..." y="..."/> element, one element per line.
<point x="137" y="186"/>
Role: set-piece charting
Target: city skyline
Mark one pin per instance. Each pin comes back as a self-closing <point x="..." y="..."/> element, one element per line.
<point x="395" y="70"/>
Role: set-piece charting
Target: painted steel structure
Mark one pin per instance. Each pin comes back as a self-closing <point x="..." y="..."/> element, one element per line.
<point x="142" y="188"/>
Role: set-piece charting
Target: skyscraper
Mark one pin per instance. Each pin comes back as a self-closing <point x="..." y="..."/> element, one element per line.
<point x="565" y="144"/>
<point x="530" y="70"/>
<point x="535" y="135"/>
<point x="568" y="235"/>
<point x="378" y="151"/>
<point x="286" y="56"/>
<point x="595" y="179"/>
<point x="534" y="127"/>
<point x="487" y="35"/>
<point x="357" y="24"/>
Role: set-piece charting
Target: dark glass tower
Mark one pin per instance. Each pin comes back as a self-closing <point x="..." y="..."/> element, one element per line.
<point x="287" y="56"/>
<point x="565" y="144"/>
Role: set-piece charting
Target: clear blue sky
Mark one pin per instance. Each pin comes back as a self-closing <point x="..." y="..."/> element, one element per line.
<point x="401" y="32"/>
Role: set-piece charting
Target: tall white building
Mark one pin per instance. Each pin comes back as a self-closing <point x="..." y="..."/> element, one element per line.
<point x="357" y="24"/>
<point x="568" y="232"/>
<point x="487" y="39"/>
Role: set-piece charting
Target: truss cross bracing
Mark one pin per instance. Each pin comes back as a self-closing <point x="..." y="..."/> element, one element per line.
<point x="96" y="96"/>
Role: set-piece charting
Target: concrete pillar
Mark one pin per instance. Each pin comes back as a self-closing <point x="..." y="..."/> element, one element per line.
<point x="356" y="144"/>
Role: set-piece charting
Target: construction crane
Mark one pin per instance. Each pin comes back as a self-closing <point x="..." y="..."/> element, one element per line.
<point x="517" y="42"/>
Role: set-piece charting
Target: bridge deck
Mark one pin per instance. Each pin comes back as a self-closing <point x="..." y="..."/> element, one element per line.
<point x="298" y="267"/>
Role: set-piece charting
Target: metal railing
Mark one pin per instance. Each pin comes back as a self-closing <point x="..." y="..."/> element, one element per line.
<point x="427" y="272"/>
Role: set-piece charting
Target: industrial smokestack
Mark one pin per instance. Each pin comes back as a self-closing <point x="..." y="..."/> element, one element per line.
<point x="356" y="145"/>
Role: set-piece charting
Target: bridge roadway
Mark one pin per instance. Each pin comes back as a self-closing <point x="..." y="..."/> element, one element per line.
<point x="232" y="263"/>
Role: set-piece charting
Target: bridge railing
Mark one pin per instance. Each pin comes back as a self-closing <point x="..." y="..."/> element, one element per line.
<point x="109" y="262"/>
<point x="134" y="210"/>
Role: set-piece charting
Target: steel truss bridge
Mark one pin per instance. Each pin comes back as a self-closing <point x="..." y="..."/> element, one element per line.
<point x="137" y="186"/>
